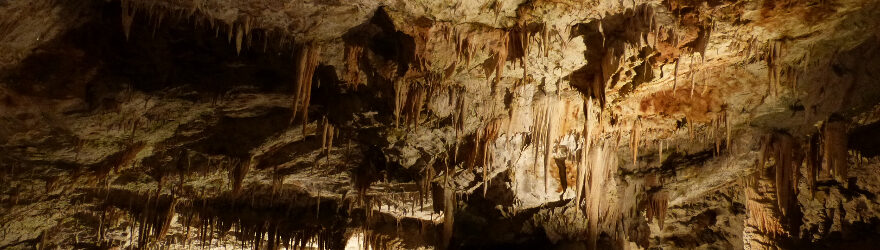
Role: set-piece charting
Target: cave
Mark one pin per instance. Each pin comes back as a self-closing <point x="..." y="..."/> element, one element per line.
<point x="439" y="124"/>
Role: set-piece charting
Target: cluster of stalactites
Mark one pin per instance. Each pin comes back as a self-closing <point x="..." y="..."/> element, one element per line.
<point x="116" y="161"/>
<point x="306" y="63"/>
<point x="542" y="131"/>
<point x="762" y="217"/>
<point x="601" y="214"/>
<point x="153" y="220"/>
<point x="239" y="30"/>
<point x="834" y="150"/>
<point x="484" y="148"/>
<point x="353" y="54"/>
<point x="425" y="186"/>
<point x="772" y="57"/>
<point x="501" y="50"/>
<point x="597" y="161"/>
<point x="657" y="203"/>
<point x="716" y="131"/>
<point x="782" y="149"/>
<point x="827" y="154"/>
<point x="238" y="170"/>
<point x="377" y="241"/>
<point x="465" y="47"/>
<point x="409" y="101"/>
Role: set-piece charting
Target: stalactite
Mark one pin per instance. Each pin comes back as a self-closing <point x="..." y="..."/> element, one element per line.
<point x="307" y="62"/>
<point x="660" y="154"/>
<point x="327" y="137"/>
<point x="230" y="32"/>
<point x="128" y="12"/>
<point x="727" y="128"/>
<point x="813" y="162"/>
<point x="675" y="76"/>
<point x="353" y="53"/>
<point x="401" y="92"/>
<point x="238" y="172"/>
<point x="635" y="139"/>
<point x="239" y="35"/>
<point x="524" y="39"/>
<point x="692" y="73"/>
<point x="457" y="117"/>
